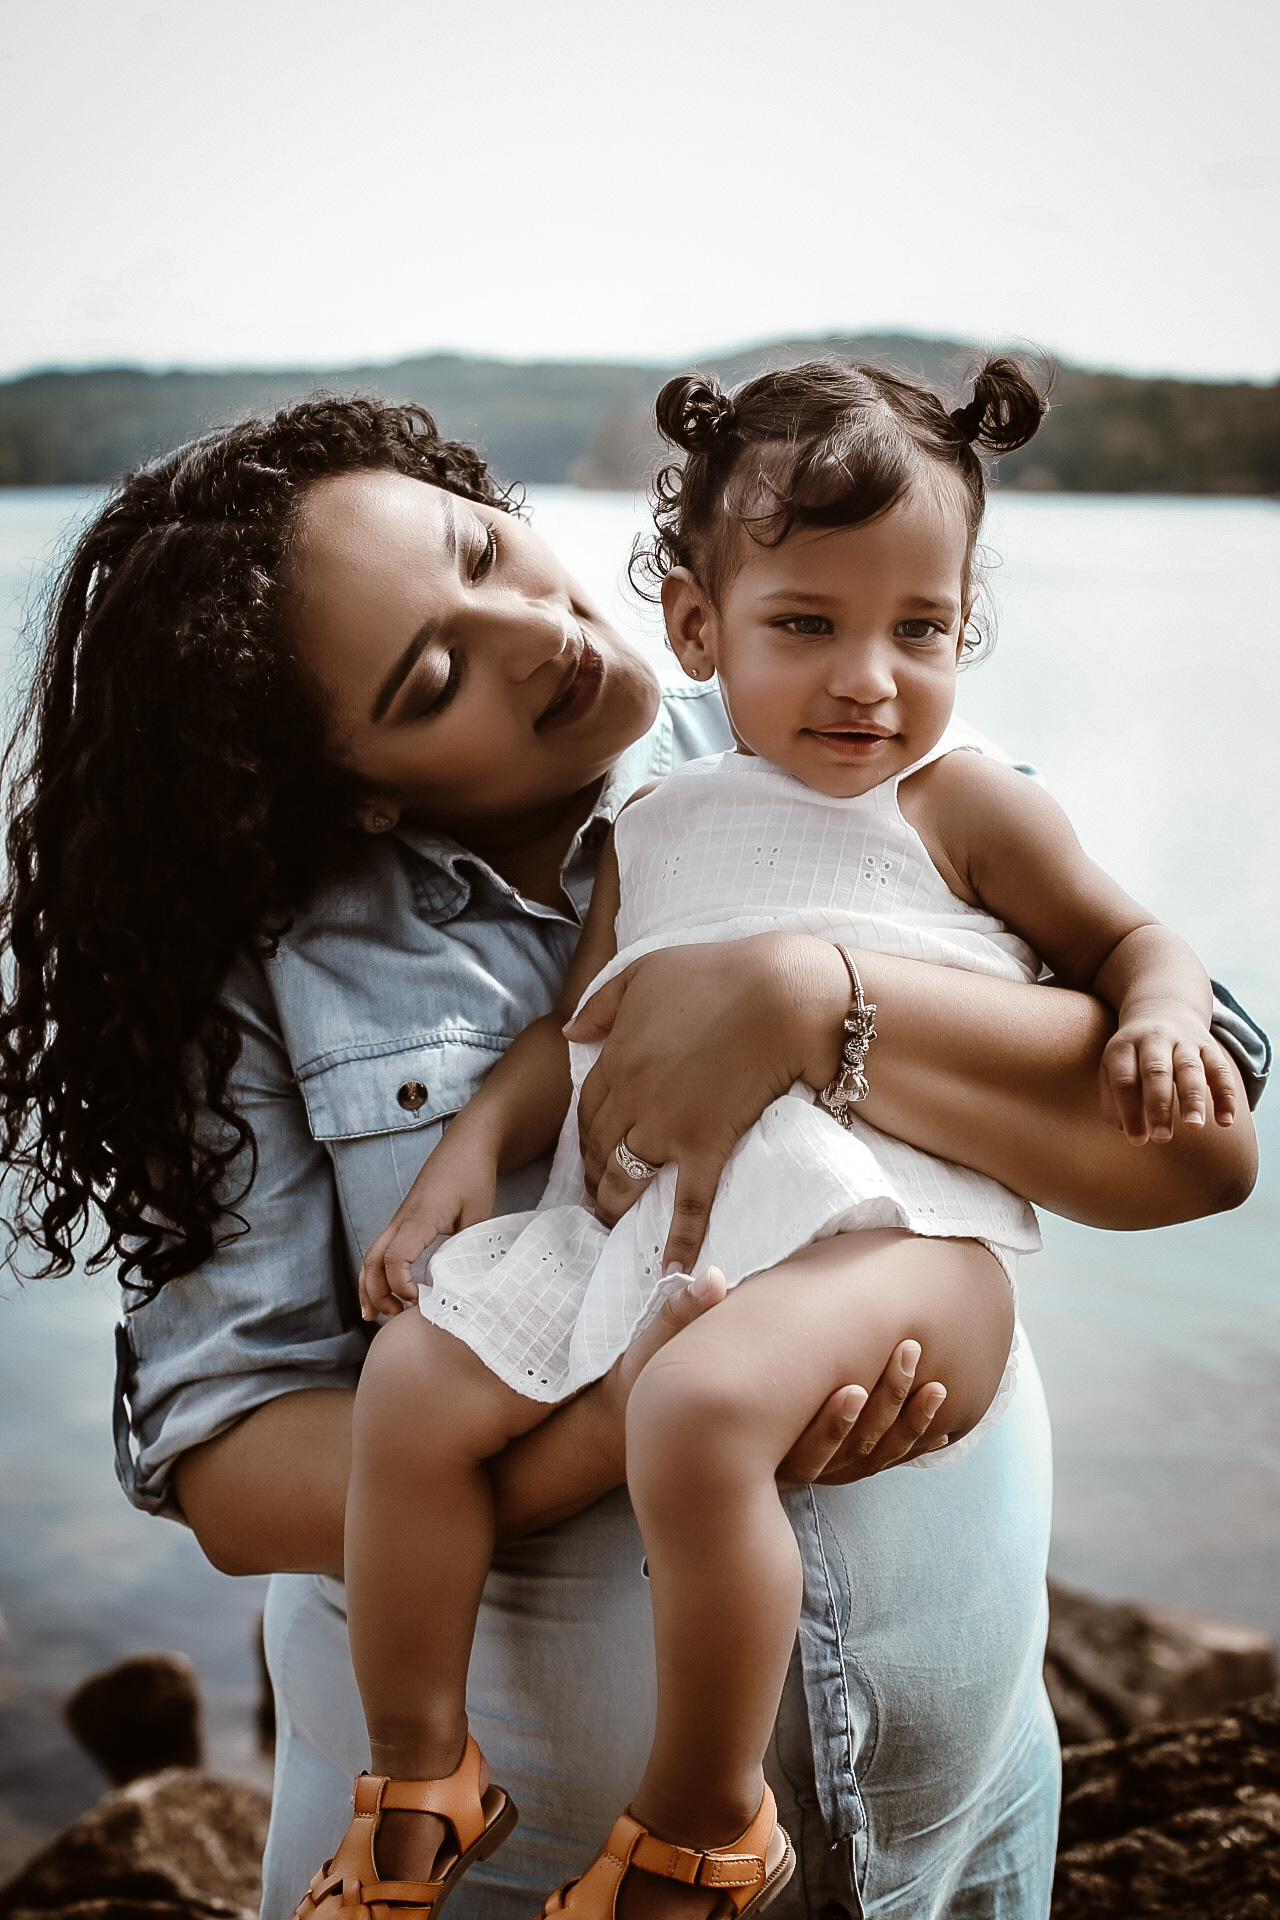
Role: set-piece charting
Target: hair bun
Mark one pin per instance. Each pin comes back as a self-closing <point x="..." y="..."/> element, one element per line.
<point x="1005" y="410"/>
<point x="694" y="414"/>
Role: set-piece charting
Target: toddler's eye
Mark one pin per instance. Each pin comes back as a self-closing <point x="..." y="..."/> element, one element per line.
<point x="810" y="626"/>
<point x="917" y="629"/>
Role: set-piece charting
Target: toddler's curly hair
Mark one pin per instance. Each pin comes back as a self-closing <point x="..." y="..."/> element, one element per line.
<point x="829" y="443"/>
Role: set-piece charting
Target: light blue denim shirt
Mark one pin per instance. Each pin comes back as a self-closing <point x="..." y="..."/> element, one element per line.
<point x="417" y="976"/>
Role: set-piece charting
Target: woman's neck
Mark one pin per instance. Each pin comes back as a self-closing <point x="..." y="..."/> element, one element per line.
<point x="527" y="849"/>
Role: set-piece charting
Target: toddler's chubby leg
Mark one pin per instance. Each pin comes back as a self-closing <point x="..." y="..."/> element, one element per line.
<point x="419" y="1542"/>
<point x="708" y="1422"/>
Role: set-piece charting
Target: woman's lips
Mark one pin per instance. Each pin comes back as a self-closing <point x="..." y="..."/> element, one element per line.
<point x="576" y="693"/>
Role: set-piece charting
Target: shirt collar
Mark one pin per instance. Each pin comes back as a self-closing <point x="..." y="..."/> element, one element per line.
<point x="444" y="873"/>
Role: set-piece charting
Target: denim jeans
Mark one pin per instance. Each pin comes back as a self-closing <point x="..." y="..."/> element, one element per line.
<point x="920" y="1780"/>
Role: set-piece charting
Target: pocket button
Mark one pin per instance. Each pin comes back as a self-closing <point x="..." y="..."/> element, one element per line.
<point x="412" y="1095"/>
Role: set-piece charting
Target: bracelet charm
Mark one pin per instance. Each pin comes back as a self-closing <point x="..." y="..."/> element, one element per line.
<point x="850" y="1084"/>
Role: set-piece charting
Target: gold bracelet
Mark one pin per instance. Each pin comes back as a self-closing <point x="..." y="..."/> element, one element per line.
<point x="850" y="1084"/>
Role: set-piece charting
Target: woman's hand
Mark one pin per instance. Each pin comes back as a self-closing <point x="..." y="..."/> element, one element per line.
<point x="853" y="1434"/>
<point x="698" y="1040"/>
<point x="857" y="1434"/>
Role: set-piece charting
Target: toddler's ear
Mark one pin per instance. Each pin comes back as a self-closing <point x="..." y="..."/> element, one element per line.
<point x="691" y="623"/>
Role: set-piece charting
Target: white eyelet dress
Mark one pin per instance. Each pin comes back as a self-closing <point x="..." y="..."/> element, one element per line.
<point x="726" y="847"/>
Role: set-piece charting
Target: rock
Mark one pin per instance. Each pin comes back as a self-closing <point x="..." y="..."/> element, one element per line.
<point x="139" y="1716"/>
<point x="1114" y="1665"/>
<point x="171" y="1845"/>
<point x="1180" y="1822"/>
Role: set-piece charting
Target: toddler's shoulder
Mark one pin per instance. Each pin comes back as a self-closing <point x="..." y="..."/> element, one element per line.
<point x="967" y="799"/>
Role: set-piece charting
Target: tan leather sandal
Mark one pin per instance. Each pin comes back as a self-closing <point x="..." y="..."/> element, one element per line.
<point x="348" y="1887"/>
<point x="750" y="1873"/>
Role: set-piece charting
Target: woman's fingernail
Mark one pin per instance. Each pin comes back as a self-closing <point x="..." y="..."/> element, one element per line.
<point x="672" y="1267"/>
<point x="910" y="1351"/>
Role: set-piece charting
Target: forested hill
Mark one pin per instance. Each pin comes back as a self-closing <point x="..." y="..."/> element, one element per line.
<point x="590" y="422"/>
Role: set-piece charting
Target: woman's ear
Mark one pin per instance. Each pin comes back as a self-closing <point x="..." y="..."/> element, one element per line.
<point x="692" y="625"/>
<point x="378" y="816"/>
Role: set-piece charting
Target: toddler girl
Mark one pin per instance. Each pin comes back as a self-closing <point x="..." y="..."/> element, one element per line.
<point x="815" y="548"/>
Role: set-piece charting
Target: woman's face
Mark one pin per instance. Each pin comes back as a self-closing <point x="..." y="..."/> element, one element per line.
<point x="470" y="678"/>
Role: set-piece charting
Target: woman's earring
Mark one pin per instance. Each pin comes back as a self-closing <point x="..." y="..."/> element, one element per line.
<point x="380" y="822"/>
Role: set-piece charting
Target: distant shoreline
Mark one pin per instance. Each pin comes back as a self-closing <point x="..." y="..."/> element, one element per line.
<point x="589" y="423"/>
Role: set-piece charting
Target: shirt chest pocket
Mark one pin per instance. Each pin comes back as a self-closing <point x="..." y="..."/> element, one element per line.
<point x="396" y="1089"/>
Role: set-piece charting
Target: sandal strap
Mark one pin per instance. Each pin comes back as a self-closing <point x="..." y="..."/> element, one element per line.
<point x="716" y="1868"/>
<point x="455" y="1799"/>
<point x="736" y="1868"/>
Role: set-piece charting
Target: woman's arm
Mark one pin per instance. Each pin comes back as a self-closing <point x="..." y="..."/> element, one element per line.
<point x="999" y="1076"/>
<point x="270" y="1494"/>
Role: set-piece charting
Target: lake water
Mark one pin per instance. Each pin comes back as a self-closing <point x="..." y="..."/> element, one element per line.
<point x="1138" y="666"/>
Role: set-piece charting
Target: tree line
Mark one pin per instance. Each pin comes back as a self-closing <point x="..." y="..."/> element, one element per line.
<point x="590" y="423"/>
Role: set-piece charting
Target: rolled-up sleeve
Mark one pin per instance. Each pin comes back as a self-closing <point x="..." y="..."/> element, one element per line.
<point x="1244" y="1040"/>
<point x="273" y="1312"/>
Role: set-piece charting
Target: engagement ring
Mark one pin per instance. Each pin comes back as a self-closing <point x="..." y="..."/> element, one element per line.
<point x="632" y="1164"/>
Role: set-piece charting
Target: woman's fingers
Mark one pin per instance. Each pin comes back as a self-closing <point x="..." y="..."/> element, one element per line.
<point x="697" y="1178"/>
<point x="596" y="1019"/>
<point x="894" y="1423"/>
<point x="602" y="1122"/>
<point x="617" y="1191"/>
<point x="823" y="1438"/>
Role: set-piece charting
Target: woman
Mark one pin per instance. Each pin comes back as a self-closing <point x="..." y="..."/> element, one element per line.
<point x="324" y="745"/>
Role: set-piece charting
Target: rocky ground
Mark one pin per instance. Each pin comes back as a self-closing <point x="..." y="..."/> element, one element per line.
<point x="1166" y="1817"/>
<point x="1179" y="1821"/>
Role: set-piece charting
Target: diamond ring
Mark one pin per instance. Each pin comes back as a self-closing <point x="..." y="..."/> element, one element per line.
<point x="632" y="1165"/>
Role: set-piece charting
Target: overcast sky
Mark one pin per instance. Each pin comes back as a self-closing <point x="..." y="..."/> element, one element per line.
<point x="315" y="182"/>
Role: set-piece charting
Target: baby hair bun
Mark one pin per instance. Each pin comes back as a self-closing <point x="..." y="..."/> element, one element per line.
<point x="1005" y="410"/>
<point x="694" y="414"/>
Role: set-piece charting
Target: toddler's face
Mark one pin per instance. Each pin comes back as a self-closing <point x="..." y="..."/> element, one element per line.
<point x="836" y="651"/>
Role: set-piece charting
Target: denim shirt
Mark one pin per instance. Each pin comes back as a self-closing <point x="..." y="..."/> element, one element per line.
<point x="378" y="1017"/>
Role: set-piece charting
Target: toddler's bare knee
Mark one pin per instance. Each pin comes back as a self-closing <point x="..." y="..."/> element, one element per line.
<point x="685" y="1422"/>
<point x="422" y="1391"/>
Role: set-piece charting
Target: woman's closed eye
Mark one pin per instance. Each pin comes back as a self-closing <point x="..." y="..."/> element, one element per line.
<point x="484" y="555"/>
<point x="442" y="680"/>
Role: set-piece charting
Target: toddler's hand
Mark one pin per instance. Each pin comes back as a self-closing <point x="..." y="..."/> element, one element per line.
<point x="1164" y="1061"/>
<point x="454" y="1189"/>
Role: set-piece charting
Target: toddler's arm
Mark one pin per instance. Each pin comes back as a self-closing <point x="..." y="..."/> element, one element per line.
<point x="1001" y="842"/>
<point x="516" y="1115"/>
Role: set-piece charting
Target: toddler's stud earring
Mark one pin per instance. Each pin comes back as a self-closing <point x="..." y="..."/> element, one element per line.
<point x="381" y="821"/>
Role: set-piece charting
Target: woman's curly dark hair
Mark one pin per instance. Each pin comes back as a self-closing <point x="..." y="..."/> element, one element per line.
<point x="174" y="797"/>
<point x="825" y="444"/>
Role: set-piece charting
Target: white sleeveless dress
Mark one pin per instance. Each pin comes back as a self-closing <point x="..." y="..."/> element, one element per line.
<point x="726" y="847"/>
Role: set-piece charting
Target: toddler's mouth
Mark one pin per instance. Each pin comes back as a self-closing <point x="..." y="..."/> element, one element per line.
<point x="853" y="743"/>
